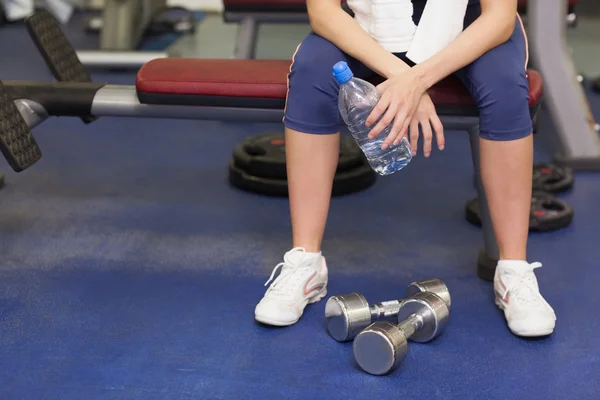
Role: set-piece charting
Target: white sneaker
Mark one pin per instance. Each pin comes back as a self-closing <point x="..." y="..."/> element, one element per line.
<point x="302" y="281"/>
<point x="518" y="294"/>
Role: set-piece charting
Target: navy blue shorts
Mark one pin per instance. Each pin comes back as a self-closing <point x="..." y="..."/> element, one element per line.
<point x="497" y="82"/>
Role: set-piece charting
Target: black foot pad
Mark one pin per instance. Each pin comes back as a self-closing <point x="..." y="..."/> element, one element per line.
<point x="57" y="51"/>
<point x="16" y="141"/>
<point x="59" y="54"/>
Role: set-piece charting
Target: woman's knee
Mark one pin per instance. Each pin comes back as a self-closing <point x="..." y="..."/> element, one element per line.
<point x="311" y="104"/>
<point x="504" y="106"/>
<point x="314" y="58"/>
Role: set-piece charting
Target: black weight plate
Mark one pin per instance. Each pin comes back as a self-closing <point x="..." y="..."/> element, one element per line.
<point x="547" y="213"/>
<point x="264" y="155"/>
<point x="1" y="180"/>
<point x="552" y="178"/>
<point x="350" y="181"/>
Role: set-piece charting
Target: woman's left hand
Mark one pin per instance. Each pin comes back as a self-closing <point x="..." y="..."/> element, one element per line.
<point x="399" y="97"/>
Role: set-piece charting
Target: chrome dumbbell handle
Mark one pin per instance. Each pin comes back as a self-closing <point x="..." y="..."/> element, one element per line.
<point x="411" y="325"/>
<point x="385" y="309"/>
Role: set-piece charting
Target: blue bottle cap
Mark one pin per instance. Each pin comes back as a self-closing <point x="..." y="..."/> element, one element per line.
<point x="342" y="72"/>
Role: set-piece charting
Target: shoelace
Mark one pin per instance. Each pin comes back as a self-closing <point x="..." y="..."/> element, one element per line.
<point x="523" y="287"/>
<point x="279" y="286"/>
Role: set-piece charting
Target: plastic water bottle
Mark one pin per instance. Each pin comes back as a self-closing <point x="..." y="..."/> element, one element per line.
<point x="357" y="98"/>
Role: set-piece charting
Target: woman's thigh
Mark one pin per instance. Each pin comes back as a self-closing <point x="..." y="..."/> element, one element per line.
<point x="312" y="98"/>
<point x="498" y="83"/>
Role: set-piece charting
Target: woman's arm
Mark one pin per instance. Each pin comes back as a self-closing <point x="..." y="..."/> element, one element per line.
<point x="329" y="20"/>
<point x="493" y="27"/>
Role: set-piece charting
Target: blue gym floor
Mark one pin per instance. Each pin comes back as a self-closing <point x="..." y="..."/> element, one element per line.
<point x="130" y="270"/>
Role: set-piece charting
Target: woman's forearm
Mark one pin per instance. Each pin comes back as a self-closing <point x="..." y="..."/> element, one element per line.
<point x="491" y="29"/>
<point x="331" y="22"/>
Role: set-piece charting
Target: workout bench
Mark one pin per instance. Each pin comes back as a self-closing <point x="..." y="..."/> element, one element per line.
<point x="227" y="90"/>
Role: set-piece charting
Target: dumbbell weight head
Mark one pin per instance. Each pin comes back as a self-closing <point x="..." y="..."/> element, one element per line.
<point x="346" y="315"/>
<point x="432" y="312"/>
<point x="381" y="346"/>
<point x="435" y="286"/>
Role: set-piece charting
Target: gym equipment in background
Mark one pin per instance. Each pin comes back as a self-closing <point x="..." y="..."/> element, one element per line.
<point x="381" y="346"/>
<point x="250" y="14"/>
<point x="16" y="142"/>
<point x="348" y="314"/>
<point x="552" y="178"/>
<point x="258" y="165"/>
<point x="565" y="97"/>
<point x="123" y="26"/>
<point x="547" y="213"/>
<point x="227" y="90"/>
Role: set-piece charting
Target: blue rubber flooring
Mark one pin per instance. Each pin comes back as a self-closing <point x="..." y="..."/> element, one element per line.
<point x="129" y="269"/>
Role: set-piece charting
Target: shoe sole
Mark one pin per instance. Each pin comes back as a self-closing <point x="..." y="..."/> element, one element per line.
<point x="538" y="333"/>
<point x="274" y="322"/>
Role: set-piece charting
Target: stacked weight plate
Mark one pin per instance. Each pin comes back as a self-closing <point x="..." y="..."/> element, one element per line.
<point x="258" y="165"/>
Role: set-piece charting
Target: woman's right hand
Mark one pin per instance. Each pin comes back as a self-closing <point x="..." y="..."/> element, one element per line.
<point x="425" y="116"/>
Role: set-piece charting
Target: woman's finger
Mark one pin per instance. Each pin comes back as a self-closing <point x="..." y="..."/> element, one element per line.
<point x="439" y="131"/>
<point x="378" y="110"/>
<point x="395" y="134"/>
<point x="414" y="135"/>
<point x="399" y="128"/>
<point x="386" y="120"/>
<point x="427" y="137"/>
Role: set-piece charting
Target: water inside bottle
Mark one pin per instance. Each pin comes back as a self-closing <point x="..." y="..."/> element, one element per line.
<point x="383" y="162"/>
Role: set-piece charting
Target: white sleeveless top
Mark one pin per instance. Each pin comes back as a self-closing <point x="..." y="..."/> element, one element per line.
<point x="389" y="22"/>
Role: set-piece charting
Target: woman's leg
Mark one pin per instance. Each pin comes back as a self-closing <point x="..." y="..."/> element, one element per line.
<point x="310" y="184"/>
<point x="498" y="82"/>
<point x="312" y="149"/>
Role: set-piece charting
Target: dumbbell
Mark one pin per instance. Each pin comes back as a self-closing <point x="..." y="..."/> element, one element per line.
<point x="383" y="345"/>
<point x="348" y="314"/>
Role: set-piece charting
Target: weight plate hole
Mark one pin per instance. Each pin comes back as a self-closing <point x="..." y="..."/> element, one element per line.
<point x="254" y="151"/>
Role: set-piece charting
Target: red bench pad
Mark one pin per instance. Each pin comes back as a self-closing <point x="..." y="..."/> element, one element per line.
<point x="263" y="84"/>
